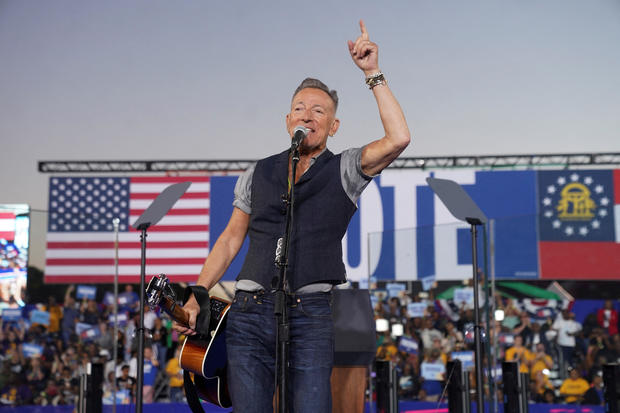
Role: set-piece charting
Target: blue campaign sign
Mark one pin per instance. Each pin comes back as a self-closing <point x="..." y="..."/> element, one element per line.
<point x="433" y="371"/>
<point x="86" y="291"/>
<point x="427" y="282"/>
<point x="466" y="358"/>
<point x="81" y="327"/>
<point x="11" y="314"/>
<point x="122" y="319"/>
<point x="416" y="309"/>
<point x="32" y="350"/>
<point x="90" y="334"/>
<point x="464" y="296"/>
<point x="394" y="289"/>
<point x="40" y="317"/>
<point x="408" y="345"/>
<point x="108" y="298"/>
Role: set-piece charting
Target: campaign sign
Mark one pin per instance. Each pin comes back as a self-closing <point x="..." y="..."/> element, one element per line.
<point x="466" y="358"/>
<point x="408" y="345"/>
<point x="108" y="298"/>
<point x="121" y="318"/>
<point x="80" y="327"/>
<point x="464" y="296"/>
<point x="32" y="350"/>
<point x="40" y="317"/>
<point x="427" y="283"/>
<point x="86" y="291"/>
<point x="11" y="314"/>
<point x="416" y="309"/>
<point x="90" y="334"/>
<point x="394" y="289"/>
<point x="433" y="371"/>
<point x="128" y="299"/>
<point x="506" y="339"/>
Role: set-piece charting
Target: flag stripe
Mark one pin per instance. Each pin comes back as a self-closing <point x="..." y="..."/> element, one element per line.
<point x="88" y="270"/>
<point x="126" y="245"/>
<point x="156" y="188"/>
<point x="180" y="204"/>
<point x="169" y="179"/>
<point x="153" y="195"/>
<point x="122" y="261"/>
<point x="109" y="277"/>
<point x="580" y="260"/>
<point x="617" y="186"/>
<point x="176" y="228"/>
<point x="174" y="212"/>
<point x="126" y="237"/>
<point x="7" y="235"/>
<point x="86" y="253"/>
<point x="177" y="220"/>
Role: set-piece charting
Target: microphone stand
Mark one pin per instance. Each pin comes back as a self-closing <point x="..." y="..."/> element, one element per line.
<point x="140" y="330"/>
<point x="477" y="327"/>
<point x="280" y="309"/>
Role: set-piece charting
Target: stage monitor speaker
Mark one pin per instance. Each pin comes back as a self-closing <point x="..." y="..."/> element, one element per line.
<point x="387" y="387"/>
<point x="515" y="392"/>
<point x="458" y="391"/>
<point x="611" y="391"/>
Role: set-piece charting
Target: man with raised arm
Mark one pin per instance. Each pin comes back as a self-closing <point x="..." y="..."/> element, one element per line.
<point x="327" y="188"/>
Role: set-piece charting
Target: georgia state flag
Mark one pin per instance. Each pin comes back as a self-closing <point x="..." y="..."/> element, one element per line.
<point x="578" y="223"/>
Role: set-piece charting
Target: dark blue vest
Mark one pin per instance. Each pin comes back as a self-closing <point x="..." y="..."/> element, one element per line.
<point x="321" y="217"/>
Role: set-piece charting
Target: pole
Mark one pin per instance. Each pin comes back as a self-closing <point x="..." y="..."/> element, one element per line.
<point x="140" y="330"/>
<point x="280" y="308"/>
<point x="477" y="341"/>
<point x="115" y="222"/>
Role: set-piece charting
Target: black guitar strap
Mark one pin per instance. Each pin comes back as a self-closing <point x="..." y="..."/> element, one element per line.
<point x="204" y="316"/>
<point x="202" y="327"/>
<point x="190" y="393"/>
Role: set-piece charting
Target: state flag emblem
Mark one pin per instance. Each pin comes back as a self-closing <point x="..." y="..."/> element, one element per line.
<point x="576" y="205"/>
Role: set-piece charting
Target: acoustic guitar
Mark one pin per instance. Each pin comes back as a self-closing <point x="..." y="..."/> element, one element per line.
<point x="203" y="354"/>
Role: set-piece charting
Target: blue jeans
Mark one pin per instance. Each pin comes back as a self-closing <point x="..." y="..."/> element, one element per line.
<point x="251" y="346"/>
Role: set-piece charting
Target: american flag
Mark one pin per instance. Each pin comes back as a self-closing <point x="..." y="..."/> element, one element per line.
<point x="80" y="237"/>
<point x="7" y="225"/>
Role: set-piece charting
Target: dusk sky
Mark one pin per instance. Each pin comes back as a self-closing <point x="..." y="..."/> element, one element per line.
<point x="152" y="79"/>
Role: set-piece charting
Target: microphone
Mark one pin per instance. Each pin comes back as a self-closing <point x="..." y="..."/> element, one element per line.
<point x="299" y="134"/>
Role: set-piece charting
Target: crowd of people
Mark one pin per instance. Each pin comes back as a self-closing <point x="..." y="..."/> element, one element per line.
<point x="562" y="359"/>
<point x="41" y="362"/>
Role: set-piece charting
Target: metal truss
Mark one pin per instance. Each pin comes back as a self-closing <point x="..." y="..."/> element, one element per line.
<point x="431" y="162"/>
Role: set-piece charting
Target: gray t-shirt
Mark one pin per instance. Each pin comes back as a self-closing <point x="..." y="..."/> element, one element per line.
<point x="353" y="179"/>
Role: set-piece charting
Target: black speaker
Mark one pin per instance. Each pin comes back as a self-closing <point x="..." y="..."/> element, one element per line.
<point x="94" y="388"/>
<point x="515" y="391"/>
<point x="458" y="391"/>
<point x="387" y="387"/>
<point x="355" y="340"/>
<point x="611" y="390"/>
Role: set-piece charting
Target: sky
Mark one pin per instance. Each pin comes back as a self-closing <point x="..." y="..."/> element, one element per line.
<point x="188" y="80"/>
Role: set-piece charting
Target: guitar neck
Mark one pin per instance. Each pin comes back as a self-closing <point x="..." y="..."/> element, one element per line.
<point x="175" y="311"/>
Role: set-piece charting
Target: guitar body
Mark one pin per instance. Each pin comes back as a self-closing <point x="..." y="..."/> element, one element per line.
<point x="205" y="356"/>
<point x="205" y="353"/>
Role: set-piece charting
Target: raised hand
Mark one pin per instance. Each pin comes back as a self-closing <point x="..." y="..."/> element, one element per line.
<point x="364" y="53"/>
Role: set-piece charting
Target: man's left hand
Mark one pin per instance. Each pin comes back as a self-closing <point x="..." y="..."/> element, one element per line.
<point x="365" y="53"/>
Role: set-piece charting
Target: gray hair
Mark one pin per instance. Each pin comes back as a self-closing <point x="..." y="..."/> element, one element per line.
<point x="317" y="84"/>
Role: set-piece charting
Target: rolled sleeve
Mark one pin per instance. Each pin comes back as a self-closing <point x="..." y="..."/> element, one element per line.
<point x="243" y="190"/>
<point x="354" y="180"/>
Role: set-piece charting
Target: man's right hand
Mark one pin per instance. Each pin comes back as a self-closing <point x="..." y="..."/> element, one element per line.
<point x="192" y="309"/>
